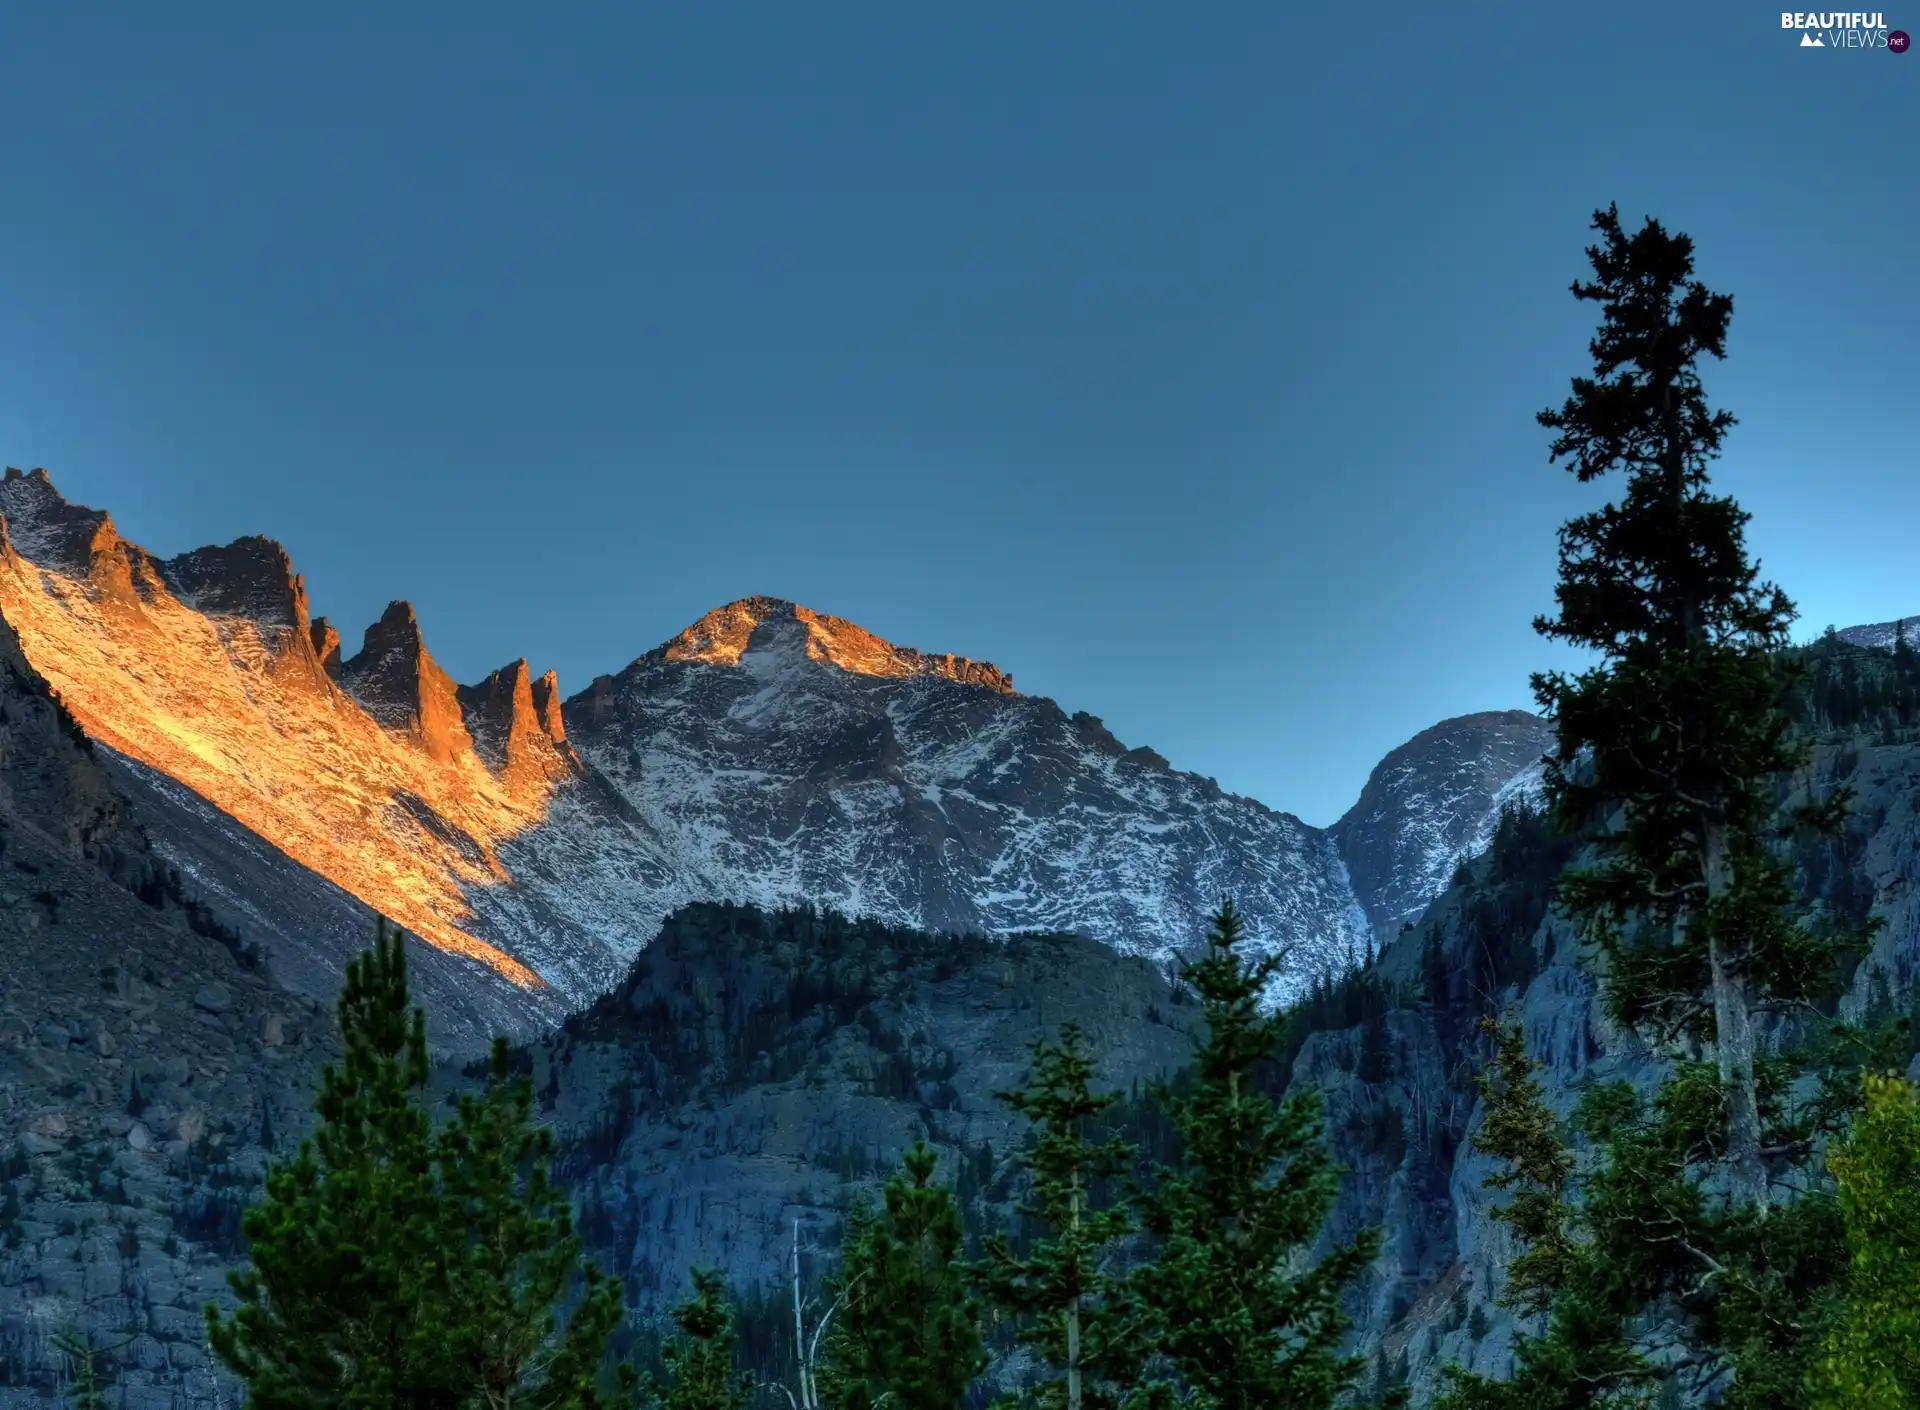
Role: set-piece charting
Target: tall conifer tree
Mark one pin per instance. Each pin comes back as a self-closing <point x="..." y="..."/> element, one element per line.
<point x="1669" y="746"/>
<point x="908" y="1334"/>
<point x="700" y="1356"/>
<point x="1584" y="1357"/>
<point x="396" y="1264"/>
<point x="1062" y="1289"/>
<point x="336" y="1244"/>
<point x="1245" y="1324"/>
<point x="1670" y="752"/>
<point x="513" y="1257"/>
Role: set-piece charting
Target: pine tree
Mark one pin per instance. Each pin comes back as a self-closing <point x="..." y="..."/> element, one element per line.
<point x="1871" y="1357"/>
<point x="1518" y="1128"/>
<point x="1583" y="1357"/>
<point x="88" y="1391"/>
<point x="513" y="1255"/>
<point x="1669" y="754"/>
<point x="1669" y="747"/>
<point x="1245" y="1325"/>
<point x="395" y="1265"/>
<point x="337" y="1242"/>
<point x="700" y="1359"/>
<point x="1061" y="1289"/>
<point x="908" y="1334"/>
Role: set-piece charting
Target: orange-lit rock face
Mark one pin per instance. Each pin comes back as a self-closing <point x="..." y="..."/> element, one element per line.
<point x="204" y="667"/>
<point x="721" y="637"/>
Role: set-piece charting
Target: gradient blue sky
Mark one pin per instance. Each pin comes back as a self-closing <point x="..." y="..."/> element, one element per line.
<point x="1180" y="358"/>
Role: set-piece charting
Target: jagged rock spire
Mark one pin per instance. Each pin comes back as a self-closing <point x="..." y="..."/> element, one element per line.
<point x="546" y="705"/>
<point x="51" y="533"/>
<point x="326" y="645"/>
<point x="396" y="681"/>
<point x="251" y="577"/>
<point x="508" y="715"/>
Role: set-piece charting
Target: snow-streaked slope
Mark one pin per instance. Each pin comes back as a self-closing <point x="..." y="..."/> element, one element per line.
<point x="921" y="790"/>
<point x="768" y="754"/>
<point x="1433" y="802"/>
<point x="1883" y="634"/>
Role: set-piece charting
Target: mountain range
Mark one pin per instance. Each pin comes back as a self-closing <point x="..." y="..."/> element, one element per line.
<point x="204" y="799"/>
<point x="768" y="754"/>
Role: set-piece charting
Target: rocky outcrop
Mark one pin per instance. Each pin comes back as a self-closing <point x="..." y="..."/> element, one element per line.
<point x="754" y="1069"/>
<point x="511" y="733"/>
<point x="44" y="529"/>
<point x="250" y="577"/>
<point x="326" y="646"/>
<point x="256" y="602"/>
<point x="547" y="708"/>
<point x="397" y="683"/>
<point x="48" y="530"/>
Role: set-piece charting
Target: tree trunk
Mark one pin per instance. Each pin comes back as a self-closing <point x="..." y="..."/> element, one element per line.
<point x="799" y="1328"/>
<point x="1733" y="1045"/>
<point x="1073" y="1311"/>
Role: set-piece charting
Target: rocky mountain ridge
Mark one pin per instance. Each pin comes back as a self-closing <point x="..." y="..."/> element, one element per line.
<point x="767" y="754"/>
<point x="1883" y="634"/>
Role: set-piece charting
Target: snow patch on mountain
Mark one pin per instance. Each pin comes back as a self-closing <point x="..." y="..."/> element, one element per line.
<point x="771" y="772"/>
<point x="1883" y="634"/>
<point x="1433" y="802"/>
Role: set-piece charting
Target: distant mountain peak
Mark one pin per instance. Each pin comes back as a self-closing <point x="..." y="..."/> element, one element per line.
<point x="771" y="624"/>
<point x="1433" y="801"/>
<point x="1883" y="634"/>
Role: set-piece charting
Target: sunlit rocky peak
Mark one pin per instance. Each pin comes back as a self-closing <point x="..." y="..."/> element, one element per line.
<point x="772" y="624"/>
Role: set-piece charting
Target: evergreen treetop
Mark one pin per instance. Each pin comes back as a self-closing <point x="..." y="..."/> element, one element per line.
<point x="1519" y="1129"/>
<point x="336" y="1244"/>
<point x="1062" y="1288"/>
<point x="908" y="1334"/>
<point x="1668" y="748"/>
<point x="700" y="1359"/>
<point x="393" y="1263"/>
<point x="1235" y="1310"/>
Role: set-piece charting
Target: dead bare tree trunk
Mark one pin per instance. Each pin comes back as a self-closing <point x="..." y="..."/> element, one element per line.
<point x="802" y="1361"/>
<point x="1073" y="1311"/>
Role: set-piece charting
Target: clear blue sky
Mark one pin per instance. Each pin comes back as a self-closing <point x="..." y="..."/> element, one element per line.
<point x="1181" y="359"/>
